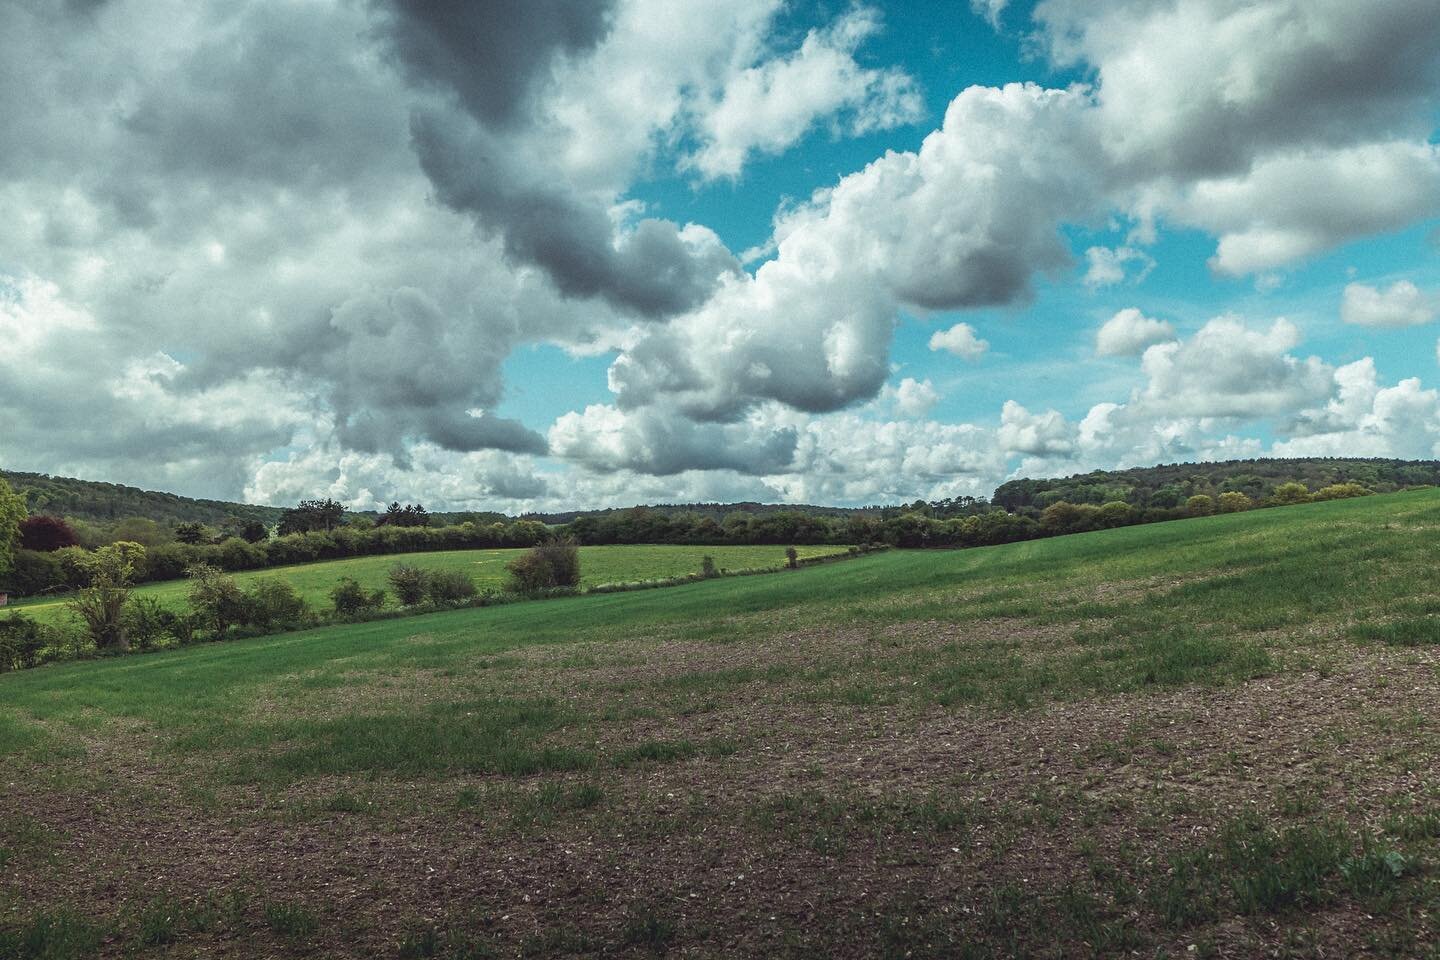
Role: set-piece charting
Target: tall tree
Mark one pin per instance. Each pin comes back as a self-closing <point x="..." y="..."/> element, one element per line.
<point x="12" y="512"/>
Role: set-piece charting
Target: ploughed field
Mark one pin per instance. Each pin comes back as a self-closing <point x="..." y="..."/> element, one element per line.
<point x="1214" y="737"/>
<point x="598" y="565"/>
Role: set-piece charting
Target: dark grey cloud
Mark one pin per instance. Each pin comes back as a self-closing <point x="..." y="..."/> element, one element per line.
<point x="490" y="53"/>
<point x="652" y="270"/>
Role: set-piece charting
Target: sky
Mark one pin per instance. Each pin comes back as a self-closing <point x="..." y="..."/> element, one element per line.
<point x="537" y="254"/>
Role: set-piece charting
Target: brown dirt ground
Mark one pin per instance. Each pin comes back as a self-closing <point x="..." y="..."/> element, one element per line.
<point x="726" y="847"/>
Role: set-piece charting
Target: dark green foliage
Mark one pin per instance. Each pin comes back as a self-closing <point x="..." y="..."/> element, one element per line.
<point x="448" y="586"/>
<point x="406" y="516"/>
<point x="351" y="599"/>
<point x="1170" y="485"/>
<point x="408" y="582"/>
<point x="149" y="624"/>
<point x="216" y="600"/>
<point x="273" y="603"/>
<point x="310" y="516"/>
<point x="96" y="501"/>
<point x="21" y="640"/>
<point x="33" y="573"/>
<point x="707" y="568"/>
<point x="546" y="566"/>
<point x="192" y="531"/>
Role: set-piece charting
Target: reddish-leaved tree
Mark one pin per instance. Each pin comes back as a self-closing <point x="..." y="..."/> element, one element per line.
<point x="46" y="533"/>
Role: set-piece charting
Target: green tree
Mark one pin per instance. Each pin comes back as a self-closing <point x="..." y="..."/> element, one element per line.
<point x="1233" y="501"/>
<point x="111" y="571"/>
<point x="1199" y="505"/>
<point x="12" y="512"/>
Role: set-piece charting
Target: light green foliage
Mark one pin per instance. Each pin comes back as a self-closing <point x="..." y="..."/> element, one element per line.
<point x="1233" y="501"/>
<point x="101" y="605"/>
<point x="1200" y="505"/>
<point x="12" y="511"/>
<point x="1290" y="493"/>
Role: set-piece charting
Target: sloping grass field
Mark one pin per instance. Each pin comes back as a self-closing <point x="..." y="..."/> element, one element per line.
<point x="598" y="565"/>
<point x="1208" y="738"/>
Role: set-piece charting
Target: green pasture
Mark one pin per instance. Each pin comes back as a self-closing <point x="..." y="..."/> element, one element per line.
<point x="606" y="564"/>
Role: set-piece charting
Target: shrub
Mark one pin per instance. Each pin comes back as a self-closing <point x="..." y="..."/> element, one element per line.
<point x="273" y="602"/>
<point x="448" y="586"/>
<point x="21" y="640"/>
<point x="216" y="599"/>
<point x="1116" y="513"/>
<point x="148" y="624"/>
<point x="1199" y="505"/>
<point x="101" y="605"/>
<point x="707" y="568"/>
<point x="350" y="598"/>
<point x="1340" y="491"/>
<point x="792" y="558"/>
<point x="34" y="573"/>
<point x="554" y="563"/>
<point x="408" y="582"/>
<point x="1233" y="501"/>
<point x="1290" y="493"/>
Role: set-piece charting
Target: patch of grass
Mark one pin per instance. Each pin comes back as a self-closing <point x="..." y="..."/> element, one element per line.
<point x="429" y="941"/>
<point x="292" y="921"/>
<point x="651" y="927"/>
<point x="656" y="751"/>
<point x="1420" y="632"/>
<point x="58" y="935"/>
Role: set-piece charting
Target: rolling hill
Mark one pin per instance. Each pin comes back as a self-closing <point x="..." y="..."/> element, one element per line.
<point x="1213" y="737"/>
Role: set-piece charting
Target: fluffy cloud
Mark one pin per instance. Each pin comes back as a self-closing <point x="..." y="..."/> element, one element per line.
<point x="259" y="223"/>
<point x="991" y="10"/>
<point x="768" y="107"/>
<point x="1129" y="332"/>
<point x="1106" y="266"/>
<point x="1230" y="370"/>
<point x="960" y="340"/>
<point x="1401" y="305"/>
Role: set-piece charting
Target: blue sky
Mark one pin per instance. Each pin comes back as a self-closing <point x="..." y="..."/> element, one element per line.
<point x="994" y="239"/>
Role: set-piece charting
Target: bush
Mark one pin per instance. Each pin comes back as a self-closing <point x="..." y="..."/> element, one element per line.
<point x="554" y="563"/>
<point x="273" y="602"/>
<point x="21" y="640"/>
<point x="1199" y="505"/>
<point x="1340" y="491"/>
<point x="149" y="624"/>
<point x="707" y="568"/>
<point x="1233" y="501"/>
<point x="216" y="599"/>
<point x="792" y="559"/>
<point x="101" y="605"/>
<point x="448" y="586"/>
<point x="409" y="583"/>
<point x="351" y="599"/>
<point x="33" y="573"/>
<point x="1290" y="493"/>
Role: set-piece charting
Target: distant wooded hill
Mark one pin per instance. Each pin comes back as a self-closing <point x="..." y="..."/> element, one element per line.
<point x="1165" y="486"/>
<point x="101" y="502"/>
<point x="1170" y="485"/>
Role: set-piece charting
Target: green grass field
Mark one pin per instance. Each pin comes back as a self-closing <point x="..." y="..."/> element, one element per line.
<point x="612" y="564"/>
<point x="1215" y="737"/>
